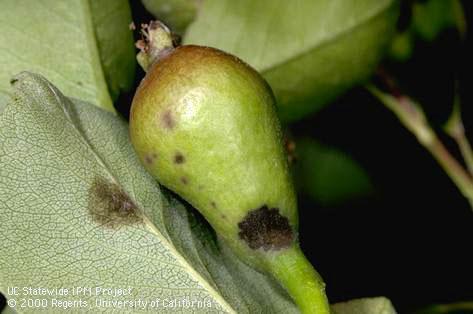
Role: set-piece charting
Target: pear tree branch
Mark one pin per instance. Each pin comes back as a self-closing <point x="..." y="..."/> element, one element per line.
<point x="411" y="115"/>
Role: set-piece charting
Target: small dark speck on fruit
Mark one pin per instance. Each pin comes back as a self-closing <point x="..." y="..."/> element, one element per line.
<point x="184" y="180"/>
<point x="168" y="120"/>
<point x="179" y="158"/>
<point x="150" y="157"/>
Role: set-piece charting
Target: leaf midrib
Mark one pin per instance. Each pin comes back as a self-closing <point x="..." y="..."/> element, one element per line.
<point x="191" y="271"/>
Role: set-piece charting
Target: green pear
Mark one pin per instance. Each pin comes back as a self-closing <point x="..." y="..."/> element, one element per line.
<point x="204" y="124"/>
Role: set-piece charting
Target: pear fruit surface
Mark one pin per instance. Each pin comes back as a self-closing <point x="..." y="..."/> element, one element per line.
<point x="204" y="124"/>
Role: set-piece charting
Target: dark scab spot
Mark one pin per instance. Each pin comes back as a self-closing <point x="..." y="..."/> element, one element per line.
<point x="13" y="81"/>
<point x="148" y="160"/>
<point x="266" y="228"/>
<point x="168" y="120"/>
<point x="213" y="204"/>
<point x="79" y="83"/>
<point x="184" y="180"/>
<point x="150" y="157"/>
<point x="110" y="206"/>
<point x="179" y="158"/>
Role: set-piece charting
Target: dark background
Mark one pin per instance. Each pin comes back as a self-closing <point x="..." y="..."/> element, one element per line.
<point x="411" y="241"/>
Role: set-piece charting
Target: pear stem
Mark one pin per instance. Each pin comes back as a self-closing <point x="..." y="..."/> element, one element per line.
<point x="157" y="41"/>
<point x="292" y="269"/>
<point x="411" y="115"/>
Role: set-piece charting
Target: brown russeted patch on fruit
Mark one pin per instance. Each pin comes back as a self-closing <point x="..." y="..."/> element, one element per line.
<point x="266" y="228"/>
<point x="179" y="158"/>
<point x="184" y="180"/>
<point x="110" y="206"/>
<point x="168" y="120"/>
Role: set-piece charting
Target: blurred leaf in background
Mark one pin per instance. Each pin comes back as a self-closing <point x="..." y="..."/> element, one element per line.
<point x="327" y="175"/>
<point x="177" y="14"/>
<point x="377" y="305"/>
<point x="111" y="21"/>
<point x="431" y="17"/>
<point x="452" y="308"/>
<point x="427" y="21"/>
<point x="308" y="51"/>
<point x="402" y="46"/>
<point x="83" y="46"/>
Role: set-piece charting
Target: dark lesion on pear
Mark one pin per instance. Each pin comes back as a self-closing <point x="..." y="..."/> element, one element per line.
<point x="167" y="120"/>
<point x="179" y="158"/>
<point x="265" y="228"/>
<point x="110" y="206"/>
<point x="150" y="158"/>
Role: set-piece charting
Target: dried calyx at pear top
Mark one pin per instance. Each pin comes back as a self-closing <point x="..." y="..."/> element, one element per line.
<point x="204" y="124"/>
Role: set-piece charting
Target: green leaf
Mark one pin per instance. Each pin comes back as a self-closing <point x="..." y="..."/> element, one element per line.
<point x="78" y="209"/>
<point x="8" y="310"/>
<point x="379" y="305"/>
<point x="431" y="17"/>
<point x="327" y="175"/>
<point x="452" y="308"/>
<point x="308" y="51"/>
<point x="80" y="45"/>
<point x="111" y="20"/>
<point x="402" y="46"/>
<point x="177" y="14"/>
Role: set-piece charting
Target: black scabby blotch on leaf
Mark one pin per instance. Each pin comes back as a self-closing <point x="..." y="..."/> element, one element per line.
<point x="110" y="206"/>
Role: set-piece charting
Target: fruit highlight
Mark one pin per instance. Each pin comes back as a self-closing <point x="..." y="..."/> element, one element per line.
<point x="204" y="124"/>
